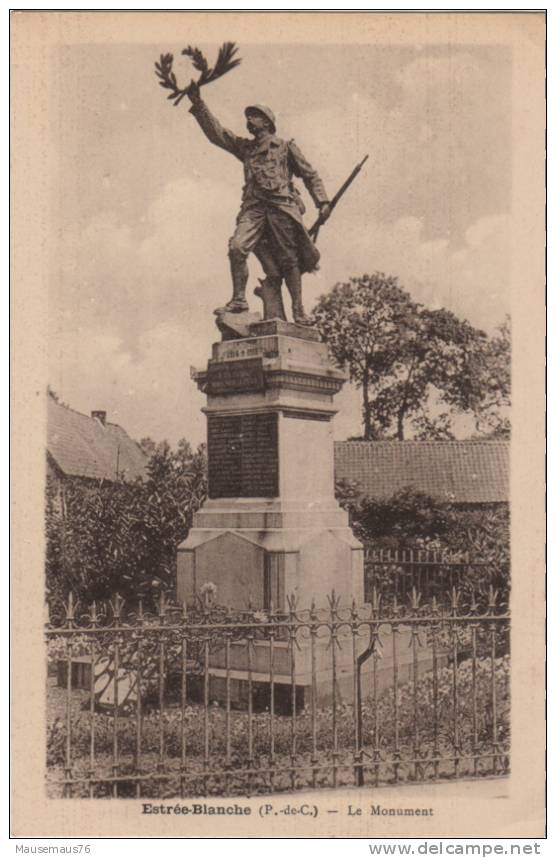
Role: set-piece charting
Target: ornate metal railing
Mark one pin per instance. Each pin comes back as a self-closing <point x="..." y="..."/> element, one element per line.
<point x="430" y="571"/>
<point x="202" y="701"/>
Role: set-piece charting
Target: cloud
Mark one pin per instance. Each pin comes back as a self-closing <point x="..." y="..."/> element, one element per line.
<point x="148" y="393"/>
<point x="471" y="279"/>
<point x="125" y="278"/>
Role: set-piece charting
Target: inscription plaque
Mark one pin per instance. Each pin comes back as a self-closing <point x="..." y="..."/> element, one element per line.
<point x="243" y="455"/>
<point x="235" y="376"/>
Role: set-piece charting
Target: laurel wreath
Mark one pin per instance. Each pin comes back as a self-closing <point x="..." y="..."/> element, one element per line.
<point x="225" y="62"/>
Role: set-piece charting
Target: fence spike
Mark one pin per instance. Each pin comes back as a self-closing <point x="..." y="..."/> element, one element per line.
<point x="117" y="605"/>
<point x="70" y="607"/>
<point x="492" y="597"/>
<point x="333" y="601"/>
<point x="161" y="603"/>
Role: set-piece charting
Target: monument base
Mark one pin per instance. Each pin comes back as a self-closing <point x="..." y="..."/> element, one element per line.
<point x="257" y="551"/>
<point x="271" y="528"/>
<point x="242" y="672"/>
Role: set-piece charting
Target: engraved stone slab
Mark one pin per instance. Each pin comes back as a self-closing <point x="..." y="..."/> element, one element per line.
<point x="235" y="376"/>
<point x="243" y="455"/>
<point x="274" y="346"/>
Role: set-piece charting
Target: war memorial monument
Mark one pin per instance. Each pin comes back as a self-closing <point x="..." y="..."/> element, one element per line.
<point x="271" y="528"/>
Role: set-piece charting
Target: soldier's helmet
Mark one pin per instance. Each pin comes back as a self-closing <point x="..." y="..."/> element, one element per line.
<point x="266" y="112"/>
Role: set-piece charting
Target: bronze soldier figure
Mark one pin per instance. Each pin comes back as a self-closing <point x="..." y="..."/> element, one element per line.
<point x="269" y="222"/>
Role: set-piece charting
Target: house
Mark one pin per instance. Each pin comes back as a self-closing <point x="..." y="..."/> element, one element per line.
<point x="89" y="449"/>
<point x="468" y="473"/>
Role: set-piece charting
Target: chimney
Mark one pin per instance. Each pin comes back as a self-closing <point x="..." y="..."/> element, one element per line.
<point x="100" y="416"/>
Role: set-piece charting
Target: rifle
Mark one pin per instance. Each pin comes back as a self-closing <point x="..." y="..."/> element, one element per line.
<point x="314" y="231"/>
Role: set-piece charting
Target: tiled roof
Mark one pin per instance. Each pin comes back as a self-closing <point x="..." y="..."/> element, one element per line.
<point x="458" y="471"/>
<point x="83" y="447"/>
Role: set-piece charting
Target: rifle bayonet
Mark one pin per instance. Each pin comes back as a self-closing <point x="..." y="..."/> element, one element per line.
<point x="314" y="231"/>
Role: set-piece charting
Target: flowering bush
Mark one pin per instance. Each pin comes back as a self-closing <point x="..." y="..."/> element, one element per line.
<point x="123" y="536"/>
<point x="57" y="647"/>
<point x="448" y="725"/>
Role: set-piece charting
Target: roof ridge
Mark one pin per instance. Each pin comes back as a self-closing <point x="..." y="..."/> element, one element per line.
<point x="88" y="416"/>
<point x="87" y="447"/>
<point x="69" y="408"/>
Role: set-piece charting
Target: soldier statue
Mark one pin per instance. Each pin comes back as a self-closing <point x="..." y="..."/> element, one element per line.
<point x="269" y="223"/>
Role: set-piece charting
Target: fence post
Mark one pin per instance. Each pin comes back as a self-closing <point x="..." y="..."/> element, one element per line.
<point x="70" y="614"/>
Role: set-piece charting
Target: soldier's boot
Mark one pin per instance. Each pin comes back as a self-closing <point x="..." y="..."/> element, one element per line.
<point x="240" y="276"/>
<point x="293" y="282"/>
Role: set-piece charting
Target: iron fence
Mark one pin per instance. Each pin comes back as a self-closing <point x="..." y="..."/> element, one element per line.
<point x="430" y="571"/>
<point x="205" y="701"/>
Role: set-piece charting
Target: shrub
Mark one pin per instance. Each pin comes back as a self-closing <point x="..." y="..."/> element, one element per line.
<point x="122" y="537"/>
<point x="384" y="707"/>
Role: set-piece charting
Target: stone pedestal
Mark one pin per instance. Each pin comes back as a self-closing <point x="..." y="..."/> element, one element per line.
<point x="271" y="526"/>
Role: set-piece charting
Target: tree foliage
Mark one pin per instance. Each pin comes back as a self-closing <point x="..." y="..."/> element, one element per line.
<point x="416" y="367"/>
<point x="103" y="538"/>
<point x="491" y="412"/>
<point x="361" y="322"/>
<point x="400" y="521"/>
<point x="413" y="519"/>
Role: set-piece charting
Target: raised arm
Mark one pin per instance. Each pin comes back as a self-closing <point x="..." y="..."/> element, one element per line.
<point x="212" y="128"/>
<point x="300" y="167"/>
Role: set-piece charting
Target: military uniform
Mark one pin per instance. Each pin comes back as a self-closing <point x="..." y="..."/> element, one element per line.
<point x="269" y="222"/>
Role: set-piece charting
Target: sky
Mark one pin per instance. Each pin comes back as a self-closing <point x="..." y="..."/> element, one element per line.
<point x="142" y="205"/>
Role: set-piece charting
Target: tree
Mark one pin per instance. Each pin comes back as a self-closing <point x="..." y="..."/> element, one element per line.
<point x="361" y="321"/>
<point x="491" y="412"/>
<point x="416" y="367"/>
